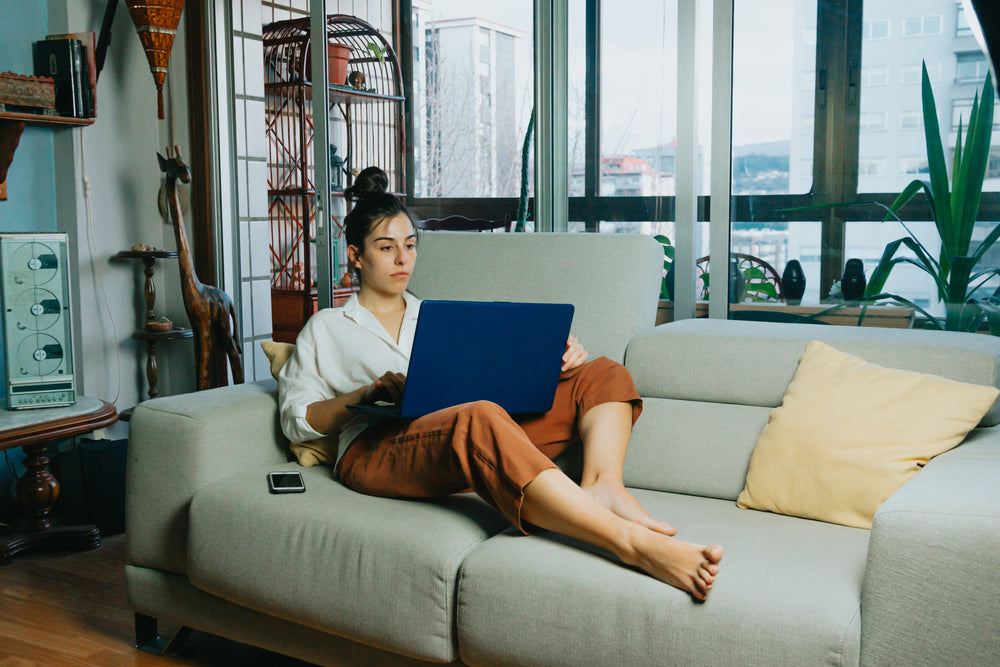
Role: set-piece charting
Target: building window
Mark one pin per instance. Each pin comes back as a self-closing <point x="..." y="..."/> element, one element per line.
<point x="970" y="67"/>
<point x="911" y="120"/>
<point x="914" y="166"/>
<point x="874" y="121"/>
<point x="960" y="112"/>
<point x="962" y="27"/>
<point x="922" y="26"/>
<point x="875" y="75"/>
<point x="993" y="166"/>
<point x="874" y="166"/>
<point x="911" y="74"/>
<point x="876" y="29"/>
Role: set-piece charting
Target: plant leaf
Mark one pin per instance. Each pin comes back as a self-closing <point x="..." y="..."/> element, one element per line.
<point x="968" y="187"/>
<point x="936" y="165"/>
<point x="932" y="321"/>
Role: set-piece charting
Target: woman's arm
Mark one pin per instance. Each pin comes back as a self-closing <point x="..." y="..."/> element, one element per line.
<point x="331" y="414"/>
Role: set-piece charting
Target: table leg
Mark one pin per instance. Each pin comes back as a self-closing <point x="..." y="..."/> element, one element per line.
<point x="37" y="492"/>
<point x="152" y="370"/>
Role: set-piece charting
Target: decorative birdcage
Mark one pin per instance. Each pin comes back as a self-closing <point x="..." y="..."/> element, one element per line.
<point x="366" y="128"/>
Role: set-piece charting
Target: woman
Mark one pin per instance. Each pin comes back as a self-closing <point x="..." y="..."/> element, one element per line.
<point x="359" y="354"/>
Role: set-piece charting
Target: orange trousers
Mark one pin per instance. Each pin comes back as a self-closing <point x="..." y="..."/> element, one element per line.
<point x="479" y="446"/>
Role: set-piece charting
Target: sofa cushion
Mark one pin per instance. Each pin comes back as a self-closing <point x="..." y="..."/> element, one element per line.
<point x="672" y="440"/>
<point x="788" y="593"/>
<point x="378" y="571"/>
<point x="751" y="363"/>
<point x="612" y="279"/>
<point x="849" y="433"/>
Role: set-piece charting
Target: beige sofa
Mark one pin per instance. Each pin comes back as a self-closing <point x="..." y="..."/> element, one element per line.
<point x="334" y="577"/>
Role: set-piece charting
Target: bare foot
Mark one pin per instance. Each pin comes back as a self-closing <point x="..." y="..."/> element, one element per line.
<point x="690" y="567"/>
<point x="617" y="499"/>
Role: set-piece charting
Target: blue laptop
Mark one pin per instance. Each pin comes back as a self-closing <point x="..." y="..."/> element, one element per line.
<point x="506" y="352"/>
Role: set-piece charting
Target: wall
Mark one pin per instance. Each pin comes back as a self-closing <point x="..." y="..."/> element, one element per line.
<point x="116" y="154"/>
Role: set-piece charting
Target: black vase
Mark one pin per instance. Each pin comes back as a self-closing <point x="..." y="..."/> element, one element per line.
<point x="853" y="282"/>
<point x="793" y="282"/>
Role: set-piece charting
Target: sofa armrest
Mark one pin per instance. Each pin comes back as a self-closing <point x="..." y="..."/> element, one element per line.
<point x="180" y="444"/>
<point x="930" y="594"/>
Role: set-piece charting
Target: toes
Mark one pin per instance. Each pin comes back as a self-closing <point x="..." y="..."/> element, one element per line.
<point x="713" y="553"/>
<point x="662" y="527"/>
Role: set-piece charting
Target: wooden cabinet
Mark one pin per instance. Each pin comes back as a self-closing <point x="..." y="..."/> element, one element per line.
<point x="366" y="128"/>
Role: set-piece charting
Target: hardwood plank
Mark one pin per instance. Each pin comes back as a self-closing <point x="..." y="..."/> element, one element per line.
<point x="70" y="609"/>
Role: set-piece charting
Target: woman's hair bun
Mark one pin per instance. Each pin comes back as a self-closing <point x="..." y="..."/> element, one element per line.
<point x="371" y="181"/>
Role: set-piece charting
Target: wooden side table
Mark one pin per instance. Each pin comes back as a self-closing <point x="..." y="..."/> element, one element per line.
<point x="152" y="336"/>
<point x="37" y="491"/>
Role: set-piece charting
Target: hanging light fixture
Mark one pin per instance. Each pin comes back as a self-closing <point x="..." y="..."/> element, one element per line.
<point x="156" y="22"/>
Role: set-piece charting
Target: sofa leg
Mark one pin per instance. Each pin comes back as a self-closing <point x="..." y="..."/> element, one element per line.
<point x="147" y="637"/>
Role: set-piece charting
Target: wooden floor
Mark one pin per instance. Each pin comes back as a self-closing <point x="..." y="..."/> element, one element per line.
<point x="62" y="609"/>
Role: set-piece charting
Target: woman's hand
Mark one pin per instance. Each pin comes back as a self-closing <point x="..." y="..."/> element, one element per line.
<point x="389" y="388"/>
<point x="330" y="415"/>
<point x="574" y="356"/>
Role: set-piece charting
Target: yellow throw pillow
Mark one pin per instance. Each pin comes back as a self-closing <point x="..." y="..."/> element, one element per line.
<point x="849" y="433"/>
<point x="321" y="451"/>
<point x="277" y="354"/>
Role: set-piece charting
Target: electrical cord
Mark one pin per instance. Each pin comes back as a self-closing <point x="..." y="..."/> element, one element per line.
<point x="94" y="254"/>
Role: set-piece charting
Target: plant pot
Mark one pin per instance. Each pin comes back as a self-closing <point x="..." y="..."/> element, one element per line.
<point x="337" y="56"/>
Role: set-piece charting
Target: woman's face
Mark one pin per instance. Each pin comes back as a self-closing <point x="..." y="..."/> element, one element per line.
<point x="389" y="256"/>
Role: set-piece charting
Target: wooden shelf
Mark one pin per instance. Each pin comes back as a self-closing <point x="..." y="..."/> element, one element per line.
<point x="12" y="124"/>
<point x="43" y="119"/>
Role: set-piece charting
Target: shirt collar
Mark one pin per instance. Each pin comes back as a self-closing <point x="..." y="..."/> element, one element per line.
<point x="364" y="318"/>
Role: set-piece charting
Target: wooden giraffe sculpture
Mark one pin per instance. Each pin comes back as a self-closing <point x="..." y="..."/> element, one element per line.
<point x="210" y="310"/>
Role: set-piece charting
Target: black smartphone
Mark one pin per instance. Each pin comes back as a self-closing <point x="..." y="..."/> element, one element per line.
<point x="285" y="482"/>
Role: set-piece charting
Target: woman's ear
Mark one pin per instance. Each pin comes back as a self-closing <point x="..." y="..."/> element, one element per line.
<point x="353" y="256"/>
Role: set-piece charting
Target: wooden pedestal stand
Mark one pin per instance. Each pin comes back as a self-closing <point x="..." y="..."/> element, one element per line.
<point x="151" y="336"/>
<point x="38" y="490"/>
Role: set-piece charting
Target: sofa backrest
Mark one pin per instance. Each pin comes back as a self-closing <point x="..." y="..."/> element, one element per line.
<point x="709" y="386"/>
<point x="612" y="280"/>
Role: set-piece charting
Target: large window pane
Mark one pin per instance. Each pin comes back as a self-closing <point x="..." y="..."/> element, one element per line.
<point x="638" y="98"/>
<point x="934" y="32"/>
<point x="774" y="87"/>
<point x="473" y="91"/>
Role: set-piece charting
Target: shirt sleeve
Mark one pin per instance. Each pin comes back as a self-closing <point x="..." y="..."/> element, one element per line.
<point x="301" y="383"/>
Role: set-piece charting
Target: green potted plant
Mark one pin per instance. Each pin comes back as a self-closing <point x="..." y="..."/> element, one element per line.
<point x="954" y="206"/>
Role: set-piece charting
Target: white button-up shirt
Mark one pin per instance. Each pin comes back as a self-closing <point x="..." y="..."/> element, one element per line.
<point x="340" y="350"/>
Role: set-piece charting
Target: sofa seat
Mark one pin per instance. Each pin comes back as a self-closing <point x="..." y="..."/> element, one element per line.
<point x="789" y="593"/>
<point x="381" y="572"/>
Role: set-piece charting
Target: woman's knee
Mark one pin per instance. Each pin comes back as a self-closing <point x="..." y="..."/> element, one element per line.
<point x="607" y="370"/>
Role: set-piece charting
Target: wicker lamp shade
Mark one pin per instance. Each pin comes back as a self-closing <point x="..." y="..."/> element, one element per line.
<point x="156" y="22"/>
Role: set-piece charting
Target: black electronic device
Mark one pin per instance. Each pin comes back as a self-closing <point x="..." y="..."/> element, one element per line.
<point x="286" y="481"/>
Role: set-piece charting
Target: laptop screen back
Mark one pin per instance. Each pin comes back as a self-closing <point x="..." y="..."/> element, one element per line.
<point x="505" y="352"/>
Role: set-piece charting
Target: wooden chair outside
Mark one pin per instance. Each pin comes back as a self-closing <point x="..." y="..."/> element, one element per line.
<point x="460" y="223"/>
<point x="763" y="282"/>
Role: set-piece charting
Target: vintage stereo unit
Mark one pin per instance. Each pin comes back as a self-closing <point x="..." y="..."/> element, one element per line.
<point x="37" y="329"/>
